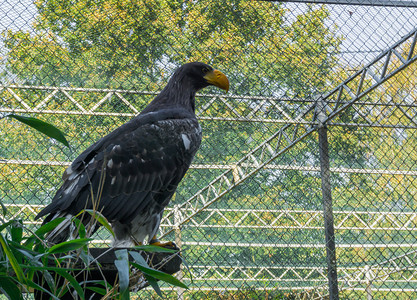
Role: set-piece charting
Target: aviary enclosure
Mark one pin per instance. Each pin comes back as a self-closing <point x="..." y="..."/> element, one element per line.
<point x="305" y="184"/>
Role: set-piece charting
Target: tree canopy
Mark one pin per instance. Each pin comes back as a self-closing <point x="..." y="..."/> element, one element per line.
<point x="136" y="44"/>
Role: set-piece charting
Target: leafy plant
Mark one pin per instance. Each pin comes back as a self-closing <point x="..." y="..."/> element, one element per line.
<point x="27" y="262"/>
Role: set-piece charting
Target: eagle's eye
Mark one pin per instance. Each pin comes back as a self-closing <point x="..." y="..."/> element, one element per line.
<point x="205" y="70"/>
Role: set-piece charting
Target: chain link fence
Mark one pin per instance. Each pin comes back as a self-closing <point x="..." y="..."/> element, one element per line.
<point x="249" y="214"/>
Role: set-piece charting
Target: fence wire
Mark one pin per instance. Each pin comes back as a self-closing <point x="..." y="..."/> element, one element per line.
<point x="248" y="215"/>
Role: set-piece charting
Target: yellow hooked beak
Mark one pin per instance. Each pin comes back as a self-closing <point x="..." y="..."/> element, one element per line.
<point x="218" y="79"/>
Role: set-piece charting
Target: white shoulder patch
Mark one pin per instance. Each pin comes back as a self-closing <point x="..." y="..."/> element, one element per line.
<point x="110" y="164"/>
<point x="186" y="141"/>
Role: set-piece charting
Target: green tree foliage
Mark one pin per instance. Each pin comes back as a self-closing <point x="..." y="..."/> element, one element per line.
<point x="130" y="44"/>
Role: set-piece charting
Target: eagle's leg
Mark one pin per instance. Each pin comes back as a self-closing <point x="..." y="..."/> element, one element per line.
<point x="155" y="242"/>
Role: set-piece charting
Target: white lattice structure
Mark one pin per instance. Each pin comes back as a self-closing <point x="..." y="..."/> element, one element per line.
<point x="295" y="121"/>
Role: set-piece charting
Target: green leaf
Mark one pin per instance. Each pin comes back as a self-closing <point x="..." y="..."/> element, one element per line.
<point x="102" y="291"/>
<point x="160" y="275"/>
<point x="151" y="248"/>
<point x="3" y="207"/>
<point x="16" y="231"/>
<point x="154" y="284"/>
<point x="138" y="258"/>
<point x="143" y="266"/>
<point x="97" y="290"/>
<point x="80" y="227"/>
<point x="64" y="272"/>
<point x="184" y="262"/>
<point x="51" y="225"/>
<point x="121" y="254"/>
<point x="32" y="256"/>
<point x="47" y="268"/>
<point x="123" y="269"/>
<point x="9" y="288"/>
<point x="47" y="276"/>
<point x="13" y="261"/>
<point x="43" y="229"/>
<point x="43" y="127"/>
<point x="86" y="258"/>
<point x="73" y="282"/>
<point x="99" y="218"/>
<point x="4" y="225"/>
<point x="122" y="265"/>
<point x="40" y="288"/>
<point x="68" y="246"/>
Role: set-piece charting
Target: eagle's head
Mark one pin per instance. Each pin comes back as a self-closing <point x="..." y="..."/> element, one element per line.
<point x="186" y="81"/>
<point x="201" y="75"/>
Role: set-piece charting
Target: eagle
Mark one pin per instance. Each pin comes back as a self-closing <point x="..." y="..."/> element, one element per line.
<point x="130" y="175"/>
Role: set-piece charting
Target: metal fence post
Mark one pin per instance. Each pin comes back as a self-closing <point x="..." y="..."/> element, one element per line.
<point x="179" y="275"/>
<point x="369" y="277"/>
<point x="327" y="203"/>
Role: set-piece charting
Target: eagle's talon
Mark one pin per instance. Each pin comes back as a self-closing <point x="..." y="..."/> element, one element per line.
<point x="156" y="242"/>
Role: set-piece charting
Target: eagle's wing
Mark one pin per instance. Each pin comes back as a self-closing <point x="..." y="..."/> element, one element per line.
<point x="134" y="170"/>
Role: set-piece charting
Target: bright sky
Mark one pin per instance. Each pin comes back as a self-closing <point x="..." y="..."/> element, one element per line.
<point x="16" y="14"/>
<point x="367" y="30"/>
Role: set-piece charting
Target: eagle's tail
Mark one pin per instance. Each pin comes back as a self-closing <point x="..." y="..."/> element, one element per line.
<point x="63" y="231"/>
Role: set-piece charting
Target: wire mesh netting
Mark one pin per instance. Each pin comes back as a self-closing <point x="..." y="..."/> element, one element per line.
<point x="248" y="215"/>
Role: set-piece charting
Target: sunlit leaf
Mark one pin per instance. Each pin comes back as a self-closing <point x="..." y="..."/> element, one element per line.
<point x="68" y="246"/>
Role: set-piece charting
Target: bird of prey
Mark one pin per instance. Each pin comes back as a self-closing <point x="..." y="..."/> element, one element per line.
<point x="130" y="175"/>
